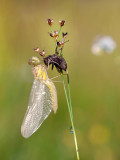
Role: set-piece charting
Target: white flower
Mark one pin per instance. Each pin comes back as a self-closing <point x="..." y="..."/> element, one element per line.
<point x="103" y="44"/>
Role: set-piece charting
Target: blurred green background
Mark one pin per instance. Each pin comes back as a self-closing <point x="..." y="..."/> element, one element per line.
<point x="94" y="81"/>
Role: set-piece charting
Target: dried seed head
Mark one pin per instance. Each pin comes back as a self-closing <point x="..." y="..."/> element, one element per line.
<point x="60" y="43"/>
<point x="51" y="34"/>
<point x="64" y="34"/>
<point x="54" y="34"/>
<point x="50" y="21"/>
<point x="61" y="22"/>
<point x="36" y="49"/>
<point x="42" y="53"/>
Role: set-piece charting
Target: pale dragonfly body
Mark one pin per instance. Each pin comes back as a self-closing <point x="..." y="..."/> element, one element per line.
<point x="43" y="98"/>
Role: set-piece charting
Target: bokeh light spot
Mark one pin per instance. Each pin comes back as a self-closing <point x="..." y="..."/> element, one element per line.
<point x="104" y="154"/>
<point x="99" y="134"/>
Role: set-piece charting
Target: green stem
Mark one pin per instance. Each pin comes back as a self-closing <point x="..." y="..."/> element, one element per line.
<point x="59" y="30"/>
<point x="51" y="29"/>
<point x="69" y="94"/>
<point x="71" y="115"/>
<point x="52" y="33"/>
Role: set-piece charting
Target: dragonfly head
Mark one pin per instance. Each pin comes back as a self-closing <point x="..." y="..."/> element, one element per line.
<point x="34" y="61"/>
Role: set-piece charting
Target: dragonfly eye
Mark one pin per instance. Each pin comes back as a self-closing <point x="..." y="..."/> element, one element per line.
<point x="34" y="61"/>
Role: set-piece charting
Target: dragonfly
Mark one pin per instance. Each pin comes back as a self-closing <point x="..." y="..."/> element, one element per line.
<point x="42" y="100"/>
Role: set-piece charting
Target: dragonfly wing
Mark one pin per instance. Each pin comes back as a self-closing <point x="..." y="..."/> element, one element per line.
<point x="53" y="93"/>
<point x="39" y="107"/>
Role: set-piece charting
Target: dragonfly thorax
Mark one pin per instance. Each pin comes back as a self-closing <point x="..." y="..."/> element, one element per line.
<point x="40" y="73"/>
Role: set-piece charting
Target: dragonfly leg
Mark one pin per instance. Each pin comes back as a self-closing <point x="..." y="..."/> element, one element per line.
<point x="55" y="77"/>
<point x="58" y="81"/>
<point x="48" y="65"/>
<point x="60" y="75"/>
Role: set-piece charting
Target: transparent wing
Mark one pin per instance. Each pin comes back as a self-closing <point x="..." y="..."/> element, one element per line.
<point x="53" y="93"/>
<point x="39" y="107"/>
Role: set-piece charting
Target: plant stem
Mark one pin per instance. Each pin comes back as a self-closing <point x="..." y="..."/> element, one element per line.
<point x="69" y="95"/>
<point x="71" y="115"/>
<point x="69" y="103"/>
<point x="59" y="30"/>
<point x="51" y="29"/>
